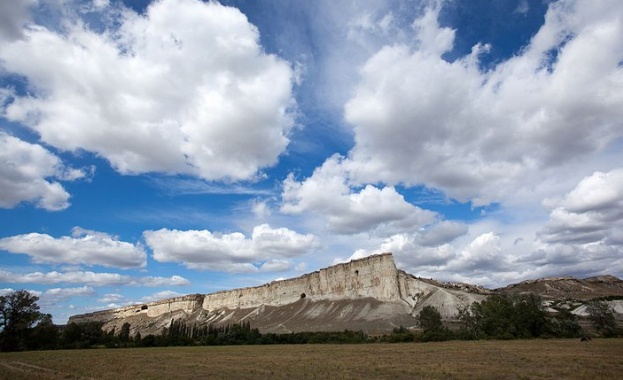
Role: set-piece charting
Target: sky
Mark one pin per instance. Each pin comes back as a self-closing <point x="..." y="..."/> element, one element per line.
<point x="151" y="149"/>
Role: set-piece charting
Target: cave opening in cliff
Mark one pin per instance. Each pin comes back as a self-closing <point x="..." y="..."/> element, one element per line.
<point x="356" y="272"/>
<point x="144" y="307"/>
<point x="303" y="295"/>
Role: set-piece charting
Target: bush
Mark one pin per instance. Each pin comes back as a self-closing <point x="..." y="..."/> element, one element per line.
<point x="565" y="325"/>
<point x="602" y="317"/>
<point x="505" y="317"/>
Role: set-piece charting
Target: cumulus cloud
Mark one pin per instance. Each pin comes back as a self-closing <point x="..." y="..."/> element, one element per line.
<point x="201" y="249"/>
<point x="483" y="254"/>
<point x="160" y="281"/>
<point x="476" y="258"/>
<point x="276" y="266"/>
<point x="477" y="135"/>
<point x="183" y="88"/>
<point x="429" y="248"/>
<point x="281" y="242"/>
<point x="441" y="233"/>
<point x="408" y="252"/>
<point x="583" y="233"/>
<point x="13" y="16"/>
<point x="115" y="300"/>
<point x="160" y="296"/>
<point x="110" y="298"/>
<point x="27" y="173"/>
<point x="526" y="128"/>
<point x="347" y="210"/>
<point x="91" y="279"/>
<point x="85" y="247"/>
<point x="53" y="296"/>
<point x="69" y="292"/>
<point x="592" y="213"/>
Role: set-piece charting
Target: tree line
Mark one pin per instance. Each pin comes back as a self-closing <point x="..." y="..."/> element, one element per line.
<point x="24" y="327"/>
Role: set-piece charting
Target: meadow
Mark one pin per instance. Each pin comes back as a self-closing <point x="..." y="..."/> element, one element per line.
<point x="517" y="359"/>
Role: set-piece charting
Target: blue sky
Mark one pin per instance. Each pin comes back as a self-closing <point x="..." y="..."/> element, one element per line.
<point x="154" y="149"/>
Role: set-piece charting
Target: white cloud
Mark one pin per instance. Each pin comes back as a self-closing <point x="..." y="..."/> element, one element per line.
<point x="483" y="255"/>
<point x="281" y="242"/>
<point x="13" y="16"/>
<point x="55" y="295"/>
<point x="276" y="266"/>
<point x="592" y="213"/>
<point x="160" y="296"/>
<point x="5" y="291"/>
<point x="582" y="238"/>
<point x="441" y="233"/>
<point x="427" y="249"/>
<point x="161" y="281"/>
<point x="101" y="3"/>
<point x="229" y="252"/>
<point x="485" y="136"/>
<point x="110" y="298"/>
<point x="432" y="38"/>
<point x="528" y="129"/>
<point x="69" y="292"/>
<point x="27" y="172"/>
<point x="90" y="278"/>
<point x="183" y="88"/>
<point x="115" y="300"/>
<point x="409" y="253"/>
<point x="328" y="193"/>
<point x="598" y="192"/>
<point x="261" y="209"/>
<point x="84" y="248"/>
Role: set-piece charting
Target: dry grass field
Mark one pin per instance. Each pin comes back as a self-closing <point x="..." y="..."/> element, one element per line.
<point x="527" y="359"/>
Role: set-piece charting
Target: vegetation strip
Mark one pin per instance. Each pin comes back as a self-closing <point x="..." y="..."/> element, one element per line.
<point x="496" y="317"/>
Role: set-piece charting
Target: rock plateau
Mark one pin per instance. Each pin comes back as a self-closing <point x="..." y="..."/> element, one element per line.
<point x="369" y="294"/>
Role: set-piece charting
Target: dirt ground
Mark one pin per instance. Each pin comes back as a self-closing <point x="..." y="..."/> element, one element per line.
<point x="527" y="359"/>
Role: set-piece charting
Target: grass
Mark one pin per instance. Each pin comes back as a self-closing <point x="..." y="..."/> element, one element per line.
<point x="526" y="359"/>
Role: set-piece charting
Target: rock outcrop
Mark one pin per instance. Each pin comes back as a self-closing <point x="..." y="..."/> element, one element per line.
<point x="369" y="294"/>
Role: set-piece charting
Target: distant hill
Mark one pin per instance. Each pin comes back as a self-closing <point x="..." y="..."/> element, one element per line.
<point x="569" y="288"/>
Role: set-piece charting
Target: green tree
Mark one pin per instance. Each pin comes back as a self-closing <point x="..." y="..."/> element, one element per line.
<point x="505" y="317"/>
<point x="470" y="327"/>
<point x="429" y="319"/>
<point x="124" y="335"/>
<point x="83" y="335"/>
<point x="565" y="324"/>
<point x="529" y="317"/>
<point x="44" y="335"/>
<point x="602" y="317"/>
<point x="19" y="312"/>
<point x="495" y="315"/>
<point x="433" y="328"/>
<point x="137" y="339"/>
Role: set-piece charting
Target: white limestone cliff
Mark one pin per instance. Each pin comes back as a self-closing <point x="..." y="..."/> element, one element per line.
<point x="369" y="293"/>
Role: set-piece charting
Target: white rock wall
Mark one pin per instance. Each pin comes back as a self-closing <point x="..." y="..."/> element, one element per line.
<point x="374" y="276"/>
<point x="152" y="309"/>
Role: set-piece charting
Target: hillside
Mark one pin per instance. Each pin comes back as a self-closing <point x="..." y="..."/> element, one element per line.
<point x="560" y="288"/>
<point x="368" y="294"/>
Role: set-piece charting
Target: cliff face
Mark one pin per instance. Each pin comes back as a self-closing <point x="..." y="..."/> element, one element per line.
<point x="368" y="294"/>
<point x="186" y="304"/>
<point x="374" y="277"/>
